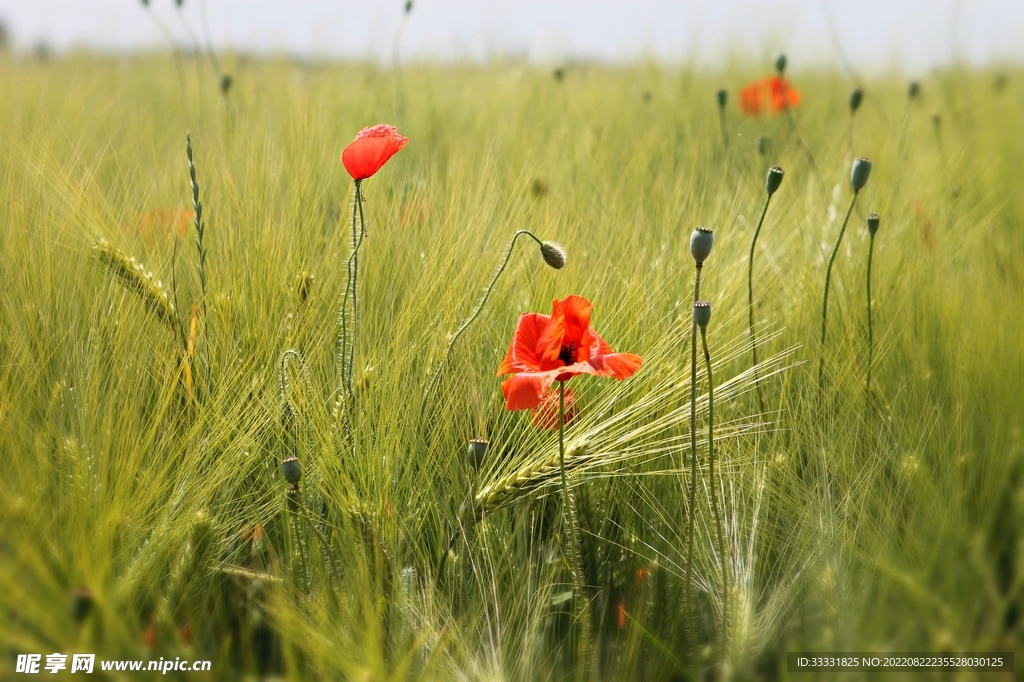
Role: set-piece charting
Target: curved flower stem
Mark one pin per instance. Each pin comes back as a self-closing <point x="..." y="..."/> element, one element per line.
<point x="573" y="541"/>
<point x="871" y="339"/>
<point x="750" y="304"/>
<point x="824" y="306"/>
<point x="722" y="548"/>
<point x="343" y="340"/>
<point x="472" y="318"/>
<point x="693" y="473"/>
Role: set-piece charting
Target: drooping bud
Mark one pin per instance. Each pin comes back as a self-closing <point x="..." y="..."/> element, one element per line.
<point x="291" y="469"/>
<point x="859" y="173"/>
<point x="913" y="90"/>
<point x="553" y="254"/>
<point x="701" y="241"/>
<point x="873" y="221"/>
<point x="702" y="313"/>
<point x="476" y="452"/>
<point x="780" y="63"/>
<point x="722" y="97"/>
<point x="856" y="97"/>
<point x="774" y="179"/>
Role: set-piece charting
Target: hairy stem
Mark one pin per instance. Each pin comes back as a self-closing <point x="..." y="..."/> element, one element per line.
<point x="824" y="305"/>
<point x="693" y="473"/>
<point x="871" y="339"/>
<point x="476" y="312"/>
<point x="722" y="547"/>
<point x="750" y="303"/>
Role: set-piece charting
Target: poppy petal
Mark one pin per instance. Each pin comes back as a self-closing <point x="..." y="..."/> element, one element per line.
<point x="549" y="346"/>
<point x="526" y="390"/>
<point x="371" y="149"/>
<point x="577" y="311"/>
<point x="522" y="352"/>
<point x="598" y="346"/>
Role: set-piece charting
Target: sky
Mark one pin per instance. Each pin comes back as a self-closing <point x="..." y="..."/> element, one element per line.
<point x="913" y="36"/>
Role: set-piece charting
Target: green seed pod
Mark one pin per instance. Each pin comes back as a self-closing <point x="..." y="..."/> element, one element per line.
<point x="913" y="90"/>
<point x="476" y="452"/>
<point x="225" y="84"/>
<point x="553" y="254"/>
<point x="859" y="173"/>
<point x="762" y="145"/>
<point x="701" y="241"/>
<point x="780" y="63"/>
<point x="774" y="179"/>
<point x="873" y="221"/>
<point x="702" y="313"/>
<point x="81" y="604"/>
<point x="722" y="97"/>
<point x="856" y="97"/>
<point x="291" y="469"/>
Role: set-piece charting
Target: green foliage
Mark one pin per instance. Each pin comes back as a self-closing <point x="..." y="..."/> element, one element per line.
<point x="895" y="528"/>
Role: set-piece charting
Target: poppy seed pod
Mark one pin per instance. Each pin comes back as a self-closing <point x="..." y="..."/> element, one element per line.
<point x="701" y="241"/>
<point x="81" y="604"/>
<point x="859" y="173"/>
<point x="873" y="221"/>
<point x="780" y="63"/>
<point x="856" y="97"/>
<point x="291" y="469"/>
<point x="762" y="145"/>
<point x="477" y="451"/>
<point x="722" y="96"/>
<point x="913" y="90"/>
<point x="702" y="313"/>
<point x="553" y="254"/>
<point x="225" y="84"/>
<point x="774" y="179"/>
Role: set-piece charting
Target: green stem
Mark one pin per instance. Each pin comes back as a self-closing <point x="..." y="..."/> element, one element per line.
<point x="472" y="317"/>
<point x="871" y="339"/>
<point x="693" y="473"/>
<point x="343" y="310"/>
<point x="824" y="306"/>
<point x="750" y="304"/>
<point x="573" y="540"/>
<point x="355" y="277"/>
<point x="722" y="548"/>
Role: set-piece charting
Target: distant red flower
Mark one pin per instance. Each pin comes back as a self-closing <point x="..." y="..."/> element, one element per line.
<point x="557" y="347"/>
<point x="545" y="415"/>
<point x="371" y="149"/>
<point x="774" y="93"/>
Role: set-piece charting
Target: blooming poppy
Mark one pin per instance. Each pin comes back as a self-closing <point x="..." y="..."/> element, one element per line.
<point x="557" y="347"/>
<point x="774" y="93"/>
<point x="545" y="415"/>
<point x="371" y="149"/>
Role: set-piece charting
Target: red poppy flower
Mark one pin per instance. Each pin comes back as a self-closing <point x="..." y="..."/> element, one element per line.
<point x="774" y="93"/>
<point x="545" y="415"/>
<point x="557" y="347"/>
<point x="371" y="149"/>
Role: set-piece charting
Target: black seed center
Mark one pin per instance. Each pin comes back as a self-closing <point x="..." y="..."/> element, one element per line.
<point x="568" y="354"/>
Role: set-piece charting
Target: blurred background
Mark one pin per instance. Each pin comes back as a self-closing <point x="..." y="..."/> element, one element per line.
<point x="912" y="36"/>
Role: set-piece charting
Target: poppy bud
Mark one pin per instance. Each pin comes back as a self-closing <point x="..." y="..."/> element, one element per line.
<point x="913" y="90"/>
<point x="225" y="84"/>
<point x="774" y="179"/>
<point x="859" y="173"/>
<point x="722" y="96"/>
<point x="873" y="221"/>
<point x="702" y="313"/>
<point x="81" y="604"/>
<point x="701" y="241"/>
<point x="855" y="99"/>
<point x="780" y="63"/>
<point x="291" y="469"/>
<point x="762" y="145"/>
<point x="553" y="254"/>
<point x="476" y="452"/>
